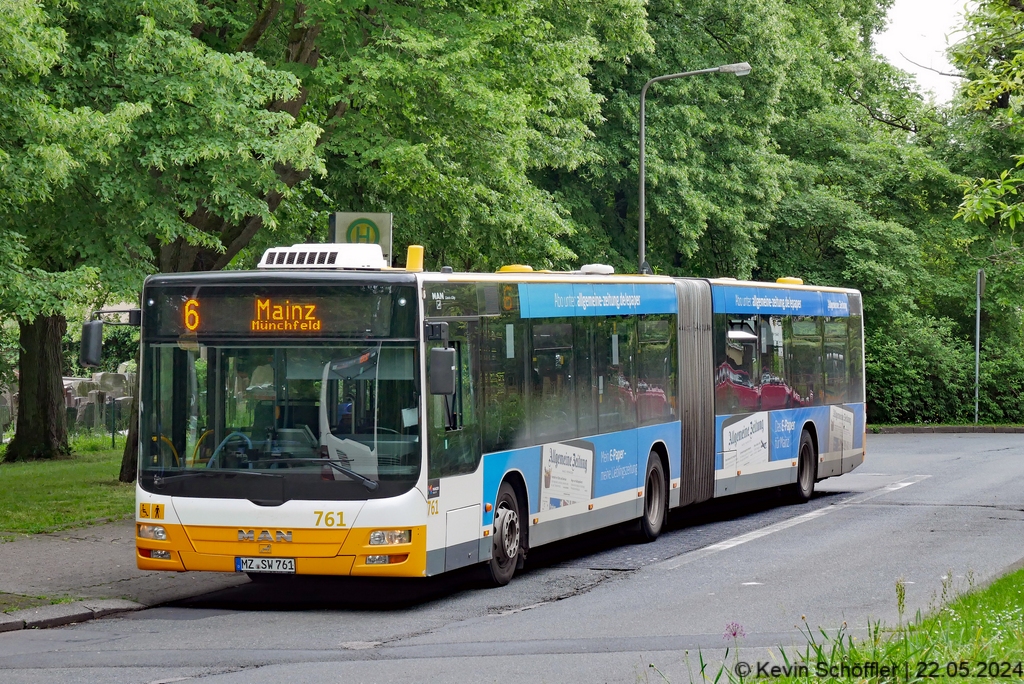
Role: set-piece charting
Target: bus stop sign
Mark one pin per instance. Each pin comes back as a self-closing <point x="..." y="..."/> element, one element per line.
<point x="360" y="228"/>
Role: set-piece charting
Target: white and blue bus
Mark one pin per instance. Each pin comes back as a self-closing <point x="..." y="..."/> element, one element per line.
<point x="328" y="415"/>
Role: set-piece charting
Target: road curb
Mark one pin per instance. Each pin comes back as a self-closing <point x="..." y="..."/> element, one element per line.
<point x="9" y="623"/>
<point x="946" y="429"/>
<point x="57" y="615"/>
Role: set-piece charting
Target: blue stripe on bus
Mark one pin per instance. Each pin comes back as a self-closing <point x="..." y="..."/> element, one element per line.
<point x="782" y="428"/>
<point x="617" y="462"/>
<point x="552" y="300"/>
<point x="773" y="300"/>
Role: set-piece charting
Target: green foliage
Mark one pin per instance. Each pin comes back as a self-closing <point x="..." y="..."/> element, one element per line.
<point x="180" y="135"/>
<point x="986" y="140"/>
<point x="120" y="345"/>
<point x="43" y="142"/>
<point x="712" y="170"/>
<point x="440" y="112"/>
<point x="207" y="145"/>
<point x="919" y="371"/>
<point x="1001" y="393"/>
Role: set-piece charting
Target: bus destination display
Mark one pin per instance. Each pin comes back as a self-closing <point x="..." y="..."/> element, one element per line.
<point x="351" y="311"/>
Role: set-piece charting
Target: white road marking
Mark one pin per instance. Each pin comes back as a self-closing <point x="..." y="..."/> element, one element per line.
<point x="689" y="557"/>
<point x="359" y="645"/>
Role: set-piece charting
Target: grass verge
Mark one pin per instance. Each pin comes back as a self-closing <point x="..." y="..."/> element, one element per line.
<point x="10" y="603"/>
<point x="45" y="496"/>
<point x="978" y="635"/>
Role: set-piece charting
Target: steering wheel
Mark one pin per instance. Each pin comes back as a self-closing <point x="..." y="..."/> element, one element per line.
<point x="216" y="452"/>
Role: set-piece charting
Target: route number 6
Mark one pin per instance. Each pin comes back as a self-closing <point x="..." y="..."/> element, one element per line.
<point x="192" y="315"/>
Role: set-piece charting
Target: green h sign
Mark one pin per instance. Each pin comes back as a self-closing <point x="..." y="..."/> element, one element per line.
<point x="360" y="228"/>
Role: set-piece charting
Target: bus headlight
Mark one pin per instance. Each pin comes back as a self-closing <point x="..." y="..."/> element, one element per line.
<point x="156" y="532"/>
<point x="388" y="537"/>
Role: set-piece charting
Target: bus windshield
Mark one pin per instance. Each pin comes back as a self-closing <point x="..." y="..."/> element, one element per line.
<point x="323" y="421"/>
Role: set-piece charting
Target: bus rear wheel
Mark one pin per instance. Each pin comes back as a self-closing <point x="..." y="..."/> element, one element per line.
<point x="655" y="499"/>
<point x="507" y="548"/>
<point x="806" y="471"/>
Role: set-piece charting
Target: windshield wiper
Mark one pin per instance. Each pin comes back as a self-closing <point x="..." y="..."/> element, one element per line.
<point x="159" y="481"/>
<point x="361" y="479"/>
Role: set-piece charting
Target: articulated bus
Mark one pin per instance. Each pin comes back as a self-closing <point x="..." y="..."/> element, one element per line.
<point x="328" y="415"/>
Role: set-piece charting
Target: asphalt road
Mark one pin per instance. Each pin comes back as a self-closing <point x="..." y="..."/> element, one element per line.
<point x="922" y="507"/>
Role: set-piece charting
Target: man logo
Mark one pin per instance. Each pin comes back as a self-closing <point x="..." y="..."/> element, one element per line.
<point x="264" y="536"/>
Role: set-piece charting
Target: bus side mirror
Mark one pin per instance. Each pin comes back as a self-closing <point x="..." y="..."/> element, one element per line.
<point x="91" y="351"/>
<point x="442" y="371"/>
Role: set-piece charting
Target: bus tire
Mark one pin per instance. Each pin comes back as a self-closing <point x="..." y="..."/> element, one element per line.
<point x="806" y="471"/>
<point x="507" y="548"/>
<point x="655" y="507"/>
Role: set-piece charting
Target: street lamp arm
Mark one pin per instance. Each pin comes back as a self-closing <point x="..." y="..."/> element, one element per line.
<point x="739" y="69"/>
<point x="669" y="77"/>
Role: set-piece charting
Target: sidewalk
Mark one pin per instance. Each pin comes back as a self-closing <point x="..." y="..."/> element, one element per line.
<point x="94" y="564"/>
<point x="947" y="429"/>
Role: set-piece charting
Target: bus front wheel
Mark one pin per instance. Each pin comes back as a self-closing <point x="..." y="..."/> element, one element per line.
<point x="507" y="535"/>
<point x="655" y="499"/>
<point x="806" y="471"/>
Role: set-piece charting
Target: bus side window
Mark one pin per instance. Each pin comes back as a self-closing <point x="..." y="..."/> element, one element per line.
<point x="553" y="404"/>
<point x="616" y="379"/>
<point x="656" y="368"/>
<point x="856" y="360"/>
<point x="836" y="380"/>
<point x="586" y="376"/>
<point x="802" y="339"/>
<point x="776" y="392"/>
<point x="737" y="376"/>
<point x="501" y="383"/>
<point x="454" y="430"/>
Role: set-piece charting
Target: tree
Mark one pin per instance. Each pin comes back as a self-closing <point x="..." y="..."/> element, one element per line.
<point x="991" y="60"/>
<point x="985" y="139"/>
<point x="436" y="112"/>
<point x="440" y="112"/>
<point x="42" y="143"/>
<point x="207" y="144"/>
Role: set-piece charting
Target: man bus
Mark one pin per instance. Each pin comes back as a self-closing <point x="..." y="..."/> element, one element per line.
<point x="328" y="415"/>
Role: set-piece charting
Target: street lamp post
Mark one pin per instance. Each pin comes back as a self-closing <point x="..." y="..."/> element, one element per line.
<point x="740" y="69"/>
<point x="979" y="292"/>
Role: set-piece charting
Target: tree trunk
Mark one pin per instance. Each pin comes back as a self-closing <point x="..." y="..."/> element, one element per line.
<point x="42" y="428"/>
<point x="130" y="457"/>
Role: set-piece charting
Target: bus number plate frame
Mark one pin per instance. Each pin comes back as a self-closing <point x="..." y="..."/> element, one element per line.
<point x="283" y="566"/>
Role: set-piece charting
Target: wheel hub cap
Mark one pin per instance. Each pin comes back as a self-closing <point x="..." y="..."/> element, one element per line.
<point x="506" y="529"/>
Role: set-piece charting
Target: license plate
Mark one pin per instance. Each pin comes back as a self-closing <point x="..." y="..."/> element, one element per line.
<point x="264" y="565"/>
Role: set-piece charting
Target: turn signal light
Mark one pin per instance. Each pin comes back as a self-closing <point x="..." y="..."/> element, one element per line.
<point x="386" y="560"/>
<point x="157" y="554"/>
